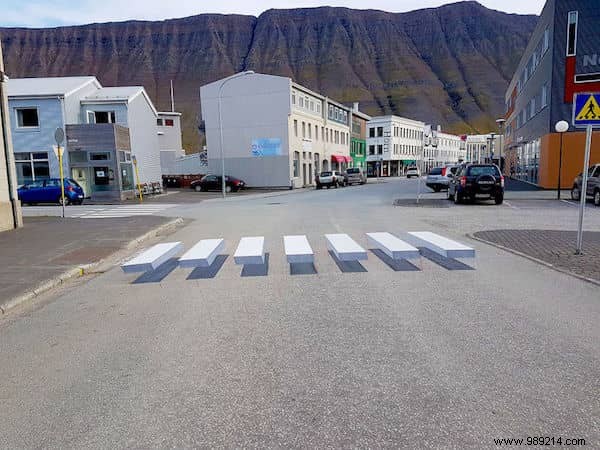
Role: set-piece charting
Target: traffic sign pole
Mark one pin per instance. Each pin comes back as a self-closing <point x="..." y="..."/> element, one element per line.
<point x="59" y="137"/>
<point x="583" y="192"/>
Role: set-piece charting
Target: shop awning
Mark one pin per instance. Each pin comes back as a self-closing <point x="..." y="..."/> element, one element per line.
<point x="338" y="158"/>
<point x="348" y="159"/>
<point x="409" y="161"/>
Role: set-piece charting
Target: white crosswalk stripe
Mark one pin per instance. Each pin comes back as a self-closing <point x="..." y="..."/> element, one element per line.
<point x="100" y="212"/>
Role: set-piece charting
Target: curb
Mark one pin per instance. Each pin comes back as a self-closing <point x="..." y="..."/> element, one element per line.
<point x="534" y="259"/>
<point x="77" y="272"/>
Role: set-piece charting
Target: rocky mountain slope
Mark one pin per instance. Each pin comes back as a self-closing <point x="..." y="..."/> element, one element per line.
<point x="448" y="65"/>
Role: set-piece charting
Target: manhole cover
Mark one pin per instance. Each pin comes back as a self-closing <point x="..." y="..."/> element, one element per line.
<point x="423" y="203"/>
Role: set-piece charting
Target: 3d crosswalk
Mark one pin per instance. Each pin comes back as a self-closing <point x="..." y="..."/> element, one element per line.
<point x="250" y="251"/>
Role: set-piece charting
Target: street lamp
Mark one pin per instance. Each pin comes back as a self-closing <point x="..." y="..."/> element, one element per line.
<point x="490" y="149"/>
<point x="500" y="123"/>
<point x="239" y="75"/>
<point x="561" y="127"/>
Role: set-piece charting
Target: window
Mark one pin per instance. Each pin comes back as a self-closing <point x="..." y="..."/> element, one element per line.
<point x="371" y="132"/>
<point x="316" y="132"/>
<point x="31" y="167"/>
<point x="27" y="118"/>
<point x="296" y="128"/>
<point x="102" y="117"/>
<point x="322" y="133"/>
<point x="544" y="95"/>
<point x="546" y="45"/>
<point x="78" y="157"/>
<point x="380" y="149"/>
<point x="303" y="130"/>
<point x="100" y="156"/>
<point x="309" y="131"/>
<point x="572" y="34"/>
<point x="159" y="122"/>
<point x="312" y="105"/>
<point x="296" y="164"/>
<point x="301" y="102"/>
<point x="532" y="109"/>
<point x="379" y="131"/>
<point x="318" y="107"/>
<point x="293" y="98"/>
<point x="371" y="149"/>
<point x="168" y="122"/>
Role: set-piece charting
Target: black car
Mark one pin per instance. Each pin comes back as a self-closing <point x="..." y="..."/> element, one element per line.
<point x="473" y="181"/>
<point x="215" y="183"/>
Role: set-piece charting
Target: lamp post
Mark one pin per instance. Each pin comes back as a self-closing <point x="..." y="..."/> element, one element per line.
<point x="234" y="77"/>
<point x="561" y="127"/>
<point x="491" y="147"/>
<point x="500" y="123"/>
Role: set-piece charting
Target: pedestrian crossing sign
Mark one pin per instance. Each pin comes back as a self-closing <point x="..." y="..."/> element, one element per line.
<point x="586" y="110"/>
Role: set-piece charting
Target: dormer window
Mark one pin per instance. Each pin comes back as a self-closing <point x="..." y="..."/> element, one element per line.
<point x="101" y="117"/>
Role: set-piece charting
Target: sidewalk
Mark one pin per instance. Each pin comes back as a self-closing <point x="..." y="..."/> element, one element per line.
<point x="553" y="248"/>
<point x="50" y="250"/>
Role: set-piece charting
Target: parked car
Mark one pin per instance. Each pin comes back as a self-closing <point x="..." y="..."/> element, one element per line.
<point x="413" y="171"/>
<point x="329" y="179"/>
<point x="439" y="178"/>
<point x="215" y="183"/>
<point x="354" y="175"/>
<point x="593" y="185"/>
<point x="48" y="191"/>
<point x="474" y="181"/>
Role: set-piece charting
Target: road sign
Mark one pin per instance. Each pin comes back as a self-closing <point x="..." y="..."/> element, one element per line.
<point x="586" y="110"/>
<point x="59" y="136"/>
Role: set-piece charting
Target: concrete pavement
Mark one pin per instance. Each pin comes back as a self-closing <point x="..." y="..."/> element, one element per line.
<point x="376" y="358"/>
<point x="48" y="251"/>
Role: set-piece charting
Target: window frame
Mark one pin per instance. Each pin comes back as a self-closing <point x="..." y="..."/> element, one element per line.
<point x="27" y="127"/>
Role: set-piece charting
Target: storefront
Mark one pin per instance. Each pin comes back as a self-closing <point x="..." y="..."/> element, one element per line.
<point x="340" y="162"/>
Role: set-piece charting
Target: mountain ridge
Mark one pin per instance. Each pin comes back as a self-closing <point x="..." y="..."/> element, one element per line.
<point x="448" y="65"/>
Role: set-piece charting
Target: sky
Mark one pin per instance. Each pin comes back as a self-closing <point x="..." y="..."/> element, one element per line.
<point x="48" y="13"/>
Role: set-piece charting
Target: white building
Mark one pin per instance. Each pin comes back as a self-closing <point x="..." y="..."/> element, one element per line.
<point x="393" y="144"/>
<point x="169" y="140"/>
<point x="443" y="148"/>
<point x="477" y="147"/>
<point x="276" y="133"/>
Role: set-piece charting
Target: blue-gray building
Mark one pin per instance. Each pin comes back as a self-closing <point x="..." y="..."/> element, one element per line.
<point x="562" y="58"/>
<point x="105" y="128"/>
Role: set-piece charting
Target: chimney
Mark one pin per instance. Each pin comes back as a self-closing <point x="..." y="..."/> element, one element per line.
<point x="355" y="106"/>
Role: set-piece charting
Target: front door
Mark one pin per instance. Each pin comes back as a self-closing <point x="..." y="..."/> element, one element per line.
<point x="80" y="174"/>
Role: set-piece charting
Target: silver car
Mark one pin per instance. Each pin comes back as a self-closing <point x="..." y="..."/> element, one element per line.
<point x="439" y="178"/>
<point x="354" y="175"/>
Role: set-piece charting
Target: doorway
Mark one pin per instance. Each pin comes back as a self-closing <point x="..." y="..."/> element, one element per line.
<point x="80" y="174"/>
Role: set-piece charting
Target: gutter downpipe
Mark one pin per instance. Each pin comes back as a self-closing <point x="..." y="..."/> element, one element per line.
<point x="7" y="146"/>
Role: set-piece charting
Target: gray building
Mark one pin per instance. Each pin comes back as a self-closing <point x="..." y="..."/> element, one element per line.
<point x="561" y="59"/>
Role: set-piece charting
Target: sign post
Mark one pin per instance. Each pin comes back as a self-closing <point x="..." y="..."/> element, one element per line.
<point x="586" y="113"/>
<point x="59" y="137"/>
<point x="137" y="178"/>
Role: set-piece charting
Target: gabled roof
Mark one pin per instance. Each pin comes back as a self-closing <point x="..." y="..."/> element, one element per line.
<point x="47" y="87"/>
<point x="121" y="94"/>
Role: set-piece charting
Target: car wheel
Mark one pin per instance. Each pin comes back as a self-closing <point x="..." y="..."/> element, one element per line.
<point x="198" y="188"/>
<point x="437" y="189"/>
<point x="499" y="199"/>
<point x="319" y="186"/>
<point x="575" y="193"/>
<point x="228" y="189"/>
<point x="597" y="197"/>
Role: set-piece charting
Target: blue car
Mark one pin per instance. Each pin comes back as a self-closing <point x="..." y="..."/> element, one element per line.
<point x="48" y="191"/>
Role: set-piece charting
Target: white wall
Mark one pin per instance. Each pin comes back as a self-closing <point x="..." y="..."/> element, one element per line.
<point x="144" y="139"/>
<point x="253" y="107"/>
<point x="170" y="137"/>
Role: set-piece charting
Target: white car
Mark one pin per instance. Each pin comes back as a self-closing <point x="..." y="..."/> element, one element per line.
<point x="413" y="171"/>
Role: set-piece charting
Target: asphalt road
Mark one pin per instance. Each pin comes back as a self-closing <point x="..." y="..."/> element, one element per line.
<point x="371" y="357"/>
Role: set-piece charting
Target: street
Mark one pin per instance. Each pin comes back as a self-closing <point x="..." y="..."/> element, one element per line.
<point x="350" y="356"/>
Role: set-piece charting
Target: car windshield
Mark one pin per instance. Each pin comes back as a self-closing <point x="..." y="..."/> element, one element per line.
<point x="412" y="168"/>
<point x="353" y="170"/>
<point x="435" y="171"/>
<point x="72" y="182"/>
<point x="325" y="174"/>
<point x="483" y="170"/>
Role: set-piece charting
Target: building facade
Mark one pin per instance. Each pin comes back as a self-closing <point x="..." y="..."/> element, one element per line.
<point x="358" y="138"/>
<point x="393" y="144"/>
<point x="169" y="140"/>
<point x="275" y="133"/>
<point x="561" y="59"/>
<point x="10" y="209"/>
<point x="104" y="126"/>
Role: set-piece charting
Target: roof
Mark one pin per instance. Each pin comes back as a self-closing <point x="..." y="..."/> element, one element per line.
<point x="169" y="113"/>
<point x="47" y="87"/>
<point x="124" y="93"/>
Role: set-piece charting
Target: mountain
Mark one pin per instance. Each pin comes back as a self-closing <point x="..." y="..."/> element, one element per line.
<point x="448" y="65"/>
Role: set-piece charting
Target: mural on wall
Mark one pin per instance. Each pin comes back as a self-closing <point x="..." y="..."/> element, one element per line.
<point x="266" y="147"/>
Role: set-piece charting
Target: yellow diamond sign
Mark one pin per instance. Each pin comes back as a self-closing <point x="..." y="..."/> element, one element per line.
<point x="586" y="109"/>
